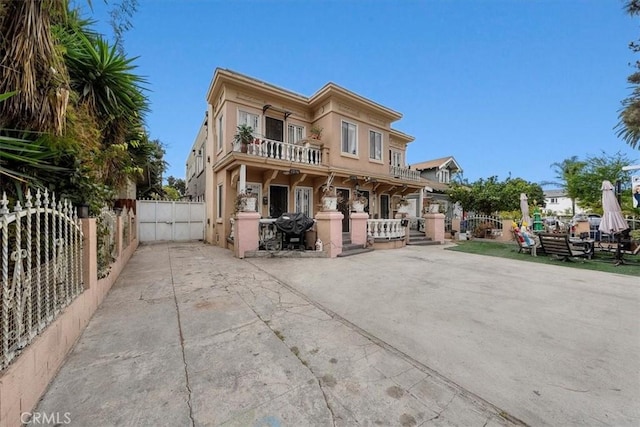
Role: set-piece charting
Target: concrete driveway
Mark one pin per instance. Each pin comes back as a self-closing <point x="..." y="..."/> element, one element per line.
<point x="550" y="345"/>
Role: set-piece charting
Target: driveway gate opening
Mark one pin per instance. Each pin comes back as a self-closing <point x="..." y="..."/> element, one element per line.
<point x="170" y="220"/>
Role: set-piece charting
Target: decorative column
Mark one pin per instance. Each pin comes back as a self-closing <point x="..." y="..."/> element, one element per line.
<point x="434" y="226"/>
<point x="329" y="227"/>
<point x="246" y="233"/>
<point x="359" y="228"/>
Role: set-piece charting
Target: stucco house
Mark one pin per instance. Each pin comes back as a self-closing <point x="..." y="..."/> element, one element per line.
<point x="557" y="203"/>
<point x="286" y="164"/>
<point x="438" y="173"/>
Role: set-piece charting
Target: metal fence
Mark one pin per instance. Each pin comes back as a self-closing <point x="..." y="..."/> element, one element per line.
<point x="41" y="268"/>
<point x="482" y="225"/>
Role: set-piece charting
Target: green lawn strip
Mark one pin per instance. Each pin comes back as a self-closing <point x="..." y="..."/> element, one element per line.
<point x="602" y="261"/>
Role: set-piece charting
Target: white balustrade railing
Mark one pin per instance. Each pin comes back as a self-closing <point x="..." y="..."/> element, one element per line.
<point x="404" y="173"/>
<point x="385" y="229"/>
<point x="296" y="153"/>
<point x="41" y="267"/>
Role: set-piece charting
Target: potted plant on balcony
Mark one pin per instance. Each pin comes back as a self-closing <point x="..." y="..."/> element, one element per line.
<point x="358" y="202"/>
<point x="243" y="137"/>
<point x="315" y="132"/>
<point x="245" y="201"/>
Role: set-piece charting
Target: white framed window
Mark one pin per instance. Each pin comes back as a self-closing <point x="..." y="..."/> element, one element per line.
<point x="304" y="200"/>
<point x="349" y="138"/>
<point x="375" y="145"/>
<point x="219" y="201"/>
<point x="250" y="119"/>
<point x="553" y="200"/>
<point x="443" y="176"/>
<point x="294" y="133"/>
<point x="220" y="131"/>
<point x="395" y="158"/>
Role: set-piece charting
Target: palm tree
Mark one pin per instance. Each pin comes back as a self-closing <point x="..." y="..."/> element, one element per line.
<point x="566" y="172"/>
<point x="32" y="66"/>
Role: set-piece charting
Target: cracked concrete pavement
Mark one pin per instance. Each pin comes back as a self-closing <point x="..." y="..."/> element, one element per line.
<point x="191" y="336"/>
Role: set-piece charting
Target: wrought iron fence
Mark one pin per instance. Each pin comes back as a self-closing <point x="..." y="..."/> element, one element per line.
<point x="482" y="225"/>
<point x="41" y="268"/>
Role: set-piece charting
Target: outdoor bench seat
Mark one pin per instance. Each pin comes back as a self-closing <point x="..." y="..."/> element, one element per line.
<point x="560" y="245"/>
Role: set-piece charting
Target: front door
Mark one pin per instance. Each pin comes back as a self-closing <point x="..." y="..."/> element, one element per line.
<point x="343" y="206"/>
<point x="278" y="200"/>
<point x="384" y="206"/>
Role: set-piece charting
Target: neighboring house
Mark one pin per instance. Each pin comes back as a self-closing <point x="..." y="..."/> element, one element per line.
<point x="284" y="166"/>
<point x="195" y="178"/>
<point x="438" y="173"/>
<point x="558" y="204"/>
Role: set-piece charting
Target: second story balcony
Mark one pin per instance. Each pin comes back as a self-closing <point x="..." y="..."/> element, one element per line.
<point x="296" y="153"/>
<point x="404" y="173"/>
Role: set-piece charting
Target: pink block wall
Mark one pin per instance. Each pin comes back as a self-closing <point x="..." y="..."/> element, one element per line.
<point x="329" y="227"/>
<point x="359" y="228"/>
<point x="434" y="226"/>
<point x="246" y="233"/>
<point x="24" y="381"/>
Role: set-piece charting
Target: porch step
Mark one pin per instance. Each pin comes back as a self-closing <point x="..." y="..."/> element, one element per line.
<point x="422" y="242"/>
<point x="417" y="238"/>
<point x="354" y="250"/>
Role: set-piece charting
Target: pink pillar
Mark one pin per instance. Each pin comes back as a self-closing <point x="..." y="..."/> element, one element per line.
<point x="329" y="226"/>
<point x="89" y="253"/>
<point x="359" y="228"/>
<point x="246" y="233"/>
<point x="434" y="226"/>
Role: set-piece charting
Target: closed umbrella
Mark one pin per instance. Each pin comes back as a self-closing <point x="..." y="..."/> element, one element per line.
<point x="612" y="221"/>
<point x="524" y="207"/>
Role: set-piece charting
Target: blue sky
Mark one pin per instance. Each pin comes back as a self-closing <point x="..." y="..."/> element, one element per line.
<point x="505" y="86"/>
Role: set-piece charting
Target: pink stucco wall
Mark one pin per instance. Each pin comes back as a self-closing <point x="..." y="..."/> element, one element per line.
<point x="24" y="381"/>
<point x="434" y="226"/>
<point x="359" y="228"/>
<point x="246" y="233"/>
<point x="329" y="226"/>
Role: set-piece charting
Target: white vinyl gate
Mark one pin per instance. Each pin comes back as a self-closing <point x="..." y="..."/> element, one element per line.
<point x="170" y="220"/>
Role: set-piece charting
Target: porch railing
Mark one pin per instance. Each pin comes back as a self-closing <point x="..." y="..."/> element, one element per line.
<point x="385" y="229"/>
<point x="283" y="151"/>
<point x="41" y="267"/>
<point x="404" y="173"/>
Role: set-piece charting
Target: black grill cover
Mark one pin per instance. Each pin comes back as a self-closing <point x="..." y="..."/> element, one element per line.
<point x="293" y="223"/>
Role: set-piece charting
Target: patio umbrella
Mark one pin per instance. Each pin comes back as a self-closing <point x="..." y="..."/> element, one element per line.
<point x="612" y="221"/>
<point x="524" y="207"/>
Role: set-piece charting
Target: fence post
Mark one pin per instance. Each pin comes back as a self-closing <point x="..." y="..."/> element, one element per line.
<point x="89" y="252"/>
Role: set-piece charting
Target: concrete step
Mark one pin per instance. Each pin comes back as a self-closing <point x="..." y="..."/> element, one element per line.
<point x="355" y="251"/>
<point x="350" y="246"/>
<point x="426" y="242"/>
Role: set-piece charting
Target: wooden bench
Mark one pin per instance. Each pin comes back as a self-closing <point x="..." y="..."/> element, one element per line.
<point x="559" y="245"/>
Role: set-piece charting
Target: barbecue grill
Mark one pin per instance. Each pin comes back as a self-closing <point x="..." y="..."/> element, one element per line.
<point x="293" y="226"/>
